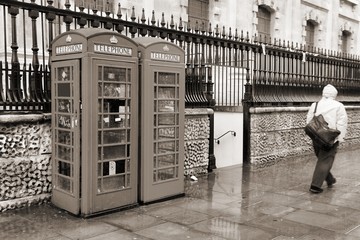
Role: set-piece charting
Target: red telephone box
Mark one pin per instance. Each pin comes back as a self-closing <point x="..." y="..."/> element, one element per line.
<point x="162" y="84"/>
<point x="94" y="121"/>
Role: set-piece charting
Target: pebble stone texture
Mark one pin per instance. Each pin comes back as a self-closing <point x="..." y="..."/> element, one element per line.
<point x="25" y="156"/>
<point x="25" y="170"/>
<point x="277" y="134"/>
<point x="197" y="133"/>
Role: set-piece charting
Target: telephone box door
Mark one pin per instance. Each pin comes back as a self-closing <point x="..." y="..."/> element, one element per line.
<point x="164" y="171"/>
<point x="66" y="135"/>
<point x="115" y="157"/>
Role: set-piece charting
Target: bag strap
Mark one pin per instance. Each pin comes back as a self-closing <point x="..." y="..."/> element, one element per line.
<point x="315" y="107"/>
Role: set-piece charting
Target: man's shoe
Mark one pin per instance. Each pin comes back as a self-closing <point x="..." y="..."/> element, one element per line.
<point x="330" y="184"/>
<point x="315" y="189"/>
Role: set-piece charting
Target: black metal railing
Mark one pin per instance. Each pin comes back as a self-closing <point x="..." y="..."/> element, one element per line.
<point x="220" y="63"/>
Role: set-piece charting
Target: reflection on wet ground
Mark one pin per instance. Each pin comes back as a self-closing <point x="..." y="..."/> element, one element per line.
<point x="237" y="202"/>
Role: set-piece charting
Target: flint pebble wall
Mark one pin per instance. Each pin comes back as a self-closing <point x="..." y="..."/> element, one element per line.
<point x="197" y="133"/>
<point x="25" y="170"/>
<point x="278" y="133"/>
<point x="25" y="155"/>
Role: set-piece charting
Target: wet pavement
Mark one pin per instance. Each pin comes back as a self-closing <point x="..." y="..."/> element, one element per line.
<point x="236" y="202"/>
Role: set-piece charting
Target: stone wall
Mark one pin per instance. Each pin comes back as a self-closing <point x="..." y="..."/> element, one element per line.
<point x="197" y="133"/>
<point x="25" y="150"/>
<point x="25" y="155"/>
<point x="278" y="133"/>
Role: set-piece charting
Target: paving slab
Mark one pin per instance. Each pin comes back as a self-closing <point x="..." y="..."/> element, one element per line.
<point x="238" y="202"/>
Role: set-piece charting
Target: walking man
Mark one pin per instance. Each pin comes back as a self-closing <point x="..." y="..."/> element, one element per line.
<point x="335" y="115"/>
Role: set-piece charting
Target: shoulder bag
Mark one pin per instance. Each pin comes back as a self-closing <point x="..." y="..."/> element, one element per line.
<point x="320" y="133"/>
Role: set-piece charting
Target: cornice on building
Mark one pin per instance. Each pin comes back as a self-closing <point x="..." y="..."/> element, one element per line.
<point x="312" y="4"/>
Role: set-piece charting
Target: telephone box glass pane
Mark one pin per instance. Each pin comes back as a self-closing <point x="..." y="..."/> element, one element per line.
<point x="114" y="152"/>
<point x="114" y="106"/>
<point x="114" y="136"/>
<point x="114" y="74"/>
<point x="64" y="184"/>
<point x="64" y="74"/>
<point x="113" y="167"/>
<point x="113" y="121"/>
<point x="64" y="121"/>
<point x="64" y="105"/>
<point x="112" y="183"/>
<point x="167" y="119"/>
<point x="64" y="168"/>
<point x="166" y="160"/>
<point x="166" y="92"/>
<point x="166" y="106"/>
<point x="166" y="147"/>
<point x="165" y="174"/>
<point x="166" y="133"/>
<point x="167" y="78"/>
<point x="64" y="90"/>
<point x="64" y="153"/>
<point x="113" y="90"/>
<point x="64" y="137"/>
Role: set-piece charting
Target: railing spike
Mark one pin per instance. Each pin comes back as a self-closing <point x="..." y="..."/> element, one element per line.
<point x="181" y="24"/>
<point x="67" y="4"/>
<point x="143" y="19"/>
<point x="255" y="38"/>
<point x="203" y="28"/>
<point x="163" y="20"/>
<point x="95" y="10"/>
<point x="119" y="14"/>
<point x="210" y="29"/>
<point x="133" y="18"/>
<point x="153" y="21"/>
<point x="172" y="22"/>
<point x="107" y="9"/>
<point x="82" y="6"/>
<point x="196" y="26"/>
<point x="217" y="30"/>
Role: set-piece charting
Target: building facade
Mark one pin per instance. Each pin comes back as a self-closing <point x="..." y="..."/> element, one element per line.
<point x="332" y="24"/>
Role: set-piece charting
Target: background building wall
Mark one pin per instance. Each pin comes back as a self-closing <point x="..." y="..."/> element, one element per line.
<point x="289" y="19"/>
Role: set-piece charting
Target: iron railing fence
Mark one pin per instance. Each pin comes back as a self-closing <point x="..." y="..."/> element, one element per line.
<point x="219" y="62"/>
